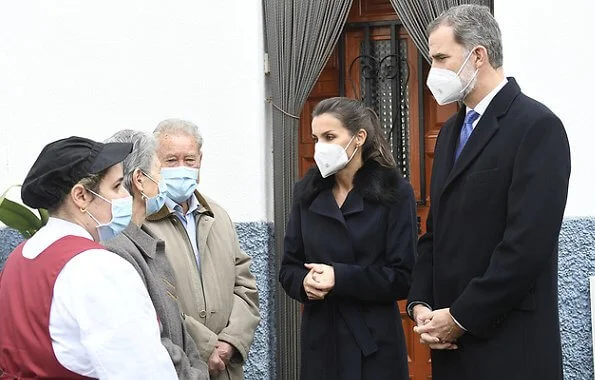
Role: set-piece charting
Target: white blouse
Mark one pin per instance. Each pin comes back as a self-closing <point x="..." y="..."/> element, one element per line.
<point x="102" y="321"/>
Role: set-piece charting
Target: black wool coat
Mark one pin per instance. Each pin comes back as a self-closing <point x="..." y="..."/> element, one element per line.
<point x="355" y="332"/>
<point x="491" y="248"/>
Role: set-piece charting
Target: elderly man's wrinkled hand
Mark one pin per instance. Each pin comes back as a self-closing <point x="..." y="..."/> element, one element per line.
<point x="225" y="351"/>
<point x="215" y="363"/>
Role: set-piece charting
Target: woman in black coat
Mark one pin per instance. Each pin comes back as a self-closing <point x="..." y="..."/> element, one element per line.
<point x="349" y="249"/>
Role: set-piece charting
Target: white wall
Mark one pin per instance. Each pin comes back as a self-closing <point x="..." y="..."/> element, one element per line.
<point x="94" y="67"/>
<point x="548" y="47"/>
<point x="91" y="68"/>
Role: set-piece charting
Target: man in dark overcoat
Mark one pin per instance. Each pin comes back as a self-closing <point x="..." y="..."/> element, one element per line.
<point x="484" y="292"/>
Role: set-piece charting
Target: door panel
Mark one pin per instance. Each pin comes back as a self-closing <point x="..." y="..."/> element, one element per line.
<point x="327" y="86"/>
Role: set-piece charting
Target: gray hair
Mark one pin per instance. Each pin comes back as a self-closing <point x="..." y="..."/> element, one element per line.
<point x="142" y="155"/>
<point x="473" y="25"/>
<point x="177" y="126"/>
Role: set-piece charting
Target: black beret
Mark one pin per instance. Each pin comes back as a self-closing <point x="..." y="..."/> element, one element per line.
<point x="61" y="164"/>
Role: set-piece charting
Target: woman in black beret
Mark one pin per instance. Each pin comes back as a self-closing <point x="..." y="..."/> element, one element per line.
<point x="70" y="308"/>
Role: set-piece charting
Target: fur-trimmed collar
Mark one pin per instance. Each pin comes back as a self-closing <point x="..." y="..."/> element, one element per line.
<point x="373" y="182"/>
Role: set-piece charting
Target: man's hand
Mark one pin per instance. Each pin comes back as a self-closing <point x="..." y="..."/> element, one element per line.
<point x="421" y="314"/>
<point x="225" y="351"/>
<point x="439" y="331"/>
<point x="319" y="281"/>
<point x="216" y="365"/>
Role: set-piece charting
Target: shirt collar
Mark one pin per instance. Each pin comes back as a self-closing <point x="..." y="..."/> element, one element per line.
<point x="481" y="107"/>
<point x="193" y="205"/>
<point x="54" y="230"/>
<point x="64" y="227"/>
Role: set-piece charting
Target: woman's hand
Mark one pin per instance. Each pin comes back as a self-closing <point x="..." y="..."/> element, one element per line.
<point x="319" y="281"/>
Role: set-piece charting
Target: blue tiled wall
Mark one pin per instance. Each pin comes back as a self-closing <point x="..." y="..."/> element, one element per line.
<point x="256" y="239"/>
<point x="575" y="264"/>
<point x="9" y="239"/>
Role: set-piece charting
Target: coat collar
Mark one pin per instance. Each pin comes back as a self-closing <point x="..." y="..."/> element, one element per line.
<point x="165" y="212"/>
<point x="148" y="245"/>
<point x="486" y="128"/>
<point x="324" y="204"/>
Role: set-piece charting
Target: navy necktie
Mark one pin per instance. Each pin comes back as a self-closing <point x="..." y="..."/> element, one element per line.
<point x="466" y="131"/>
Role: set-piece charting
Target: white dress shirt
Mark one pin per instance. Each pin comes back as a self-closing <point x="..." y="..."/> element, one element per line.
<point x="102" y="322"/>
<point x="481" y="107"/>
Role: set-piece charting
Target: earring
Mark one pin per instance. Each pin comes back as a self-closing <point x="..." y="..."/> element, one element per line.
<point x="83" y="209"/>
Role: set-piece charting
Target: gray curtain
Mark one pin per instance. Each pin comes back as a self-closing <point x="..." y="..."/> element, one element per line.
<point x="300" y="36"/>
<point x="417" y="14"/>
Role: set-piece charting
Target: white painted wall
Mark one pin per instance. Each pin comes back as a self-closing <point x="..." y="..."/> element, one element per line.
<point x="94" y="67"/>
<point x="91" y="68"/>
<point x="548" y="47"/>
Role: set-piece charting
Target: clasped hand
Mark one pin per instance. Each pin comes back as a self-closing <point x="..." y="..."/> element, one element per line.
<point x="319" y="281"/>
<point x="436" y="328"/>
<point x="220" y="357"/>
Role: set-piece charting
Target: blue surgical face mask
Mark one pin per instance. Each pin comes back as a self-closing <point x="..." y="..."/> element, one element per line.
<point x="154" y="204"/>
<point x="121" y="216"/>
<point x="180" y="182"/>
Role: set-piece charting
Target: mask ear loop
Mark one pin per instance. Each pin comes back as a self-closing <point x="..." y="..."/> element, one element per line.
<point x="149" y="177"/>
<point x="353" y="155"/>
<point x="464" y="62"/>
<point x="474" y="74"/>
<point x="355" y="151"/>
<point x="356" y="145"/>
<point x="91" y="215"/>
<point x="470" y="81"/>
<point x="143" y="195"/>
<point x="105" y="199"/>
<point x="349" y="143"/>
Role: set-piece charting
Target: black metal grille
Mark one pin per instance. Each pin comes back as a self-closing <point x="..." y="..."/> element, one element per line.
<point x="384" y="75"/>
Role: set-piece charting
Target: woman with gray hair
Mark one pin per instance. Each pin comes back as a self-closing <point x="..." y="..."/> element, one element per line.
<point x="146" y="253"/>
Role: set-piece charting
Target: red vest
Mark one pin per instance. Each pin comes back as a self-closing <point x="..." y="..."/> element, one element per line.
<point x="26" y="292"/>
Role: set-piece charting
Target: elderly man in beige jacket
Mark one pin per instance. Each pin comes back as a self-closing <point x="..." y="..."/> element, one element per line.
<point x="216" y="291"/>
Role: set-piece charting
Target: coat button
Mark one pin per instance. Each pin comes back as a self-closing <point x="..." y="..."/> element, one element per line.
<point x="202" y="314"/>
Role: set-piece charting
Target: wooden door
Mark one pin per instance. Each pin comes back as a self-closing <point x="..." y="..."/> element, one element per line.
<point x="375" y="57"/>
